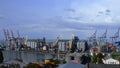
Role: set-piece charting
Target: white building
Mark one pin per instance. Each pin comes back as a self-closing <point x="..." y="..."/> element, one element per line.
<point x="62" y="45"/>
<point x="81" y="45"/>
<point x="111" y="61"/>
<point x="35" y="43"/>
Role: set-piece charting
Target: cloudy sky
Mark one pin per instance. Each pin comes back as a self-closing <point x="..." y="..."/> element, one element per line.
<point x="50" y="18"/>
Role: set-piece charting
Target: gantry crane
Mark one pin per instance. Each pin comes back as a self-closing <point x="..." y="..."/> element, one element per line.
<point x="5" y="34"/>
<point x="11" y="39"/>
<point x="7" y="43"/>
<point x="12" y="35"/>
<point x="8" y="39"/>
<point x="8" y="34"/>
<point x="20" y="41"/>
<point x="56" y="41"/>
<point x="103" y="37"/>
<point x="115" y="37"/>
<point x="93" y="37"/>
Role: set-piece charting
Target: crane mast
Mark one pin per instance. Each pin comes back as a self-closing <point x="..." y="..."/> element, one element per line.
<point x="115" y="37"/>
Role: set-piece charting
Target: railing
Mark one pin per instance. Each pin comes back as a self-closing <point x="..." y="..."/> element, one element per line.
<point x="91" y="65"/>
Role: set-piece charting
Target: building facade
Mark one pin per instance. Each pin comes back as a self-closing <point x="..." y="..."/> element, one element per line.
<point x="36" y="43"/>
<point x="63" y="45"/>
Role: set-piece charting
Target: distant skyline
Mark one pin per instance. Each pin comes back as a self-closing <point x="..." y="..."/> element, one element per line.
<point x="51" y="18"/>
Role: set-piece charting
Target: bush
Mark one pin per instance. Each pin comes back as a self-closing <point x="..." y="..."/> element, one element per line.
<point x="3" y="66"/>
<point x="32" y="65"/>
<point x="118" y="59"/>
<point x="116" y="55"/>
<point x="48" y="65"/>
<point x="85" y="59"/>
<point x="57" y="61"/>
<point x="72" y="57"/>
<point x="64" y="62"/>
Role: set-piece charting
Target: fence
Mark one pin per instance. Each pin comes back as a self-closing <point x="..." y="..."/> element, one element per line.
<point x="90" y="65"/>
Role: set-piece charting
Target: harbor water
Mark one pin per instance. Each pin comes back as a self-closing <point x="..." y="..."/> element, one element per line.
<point x="26" y="57"/>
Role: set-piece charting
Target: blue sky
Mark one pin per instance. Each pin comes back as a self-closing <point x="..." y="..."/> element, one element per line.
<point x="50" y="18"/>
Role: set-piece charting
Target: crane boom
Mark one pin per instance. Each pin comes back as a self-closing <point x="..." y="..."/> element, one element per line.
<point x="104" y="35"/>
<point x="12" y="34"/>
<point x="5" y="34"/>
<point x="94" y="34"/>
<point x="8" y="35"/>
<point x="18" y="34"/>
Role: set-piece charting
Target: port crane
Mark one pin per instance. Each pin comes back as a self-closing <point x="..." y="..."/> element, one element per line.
<point x="5" y="34"/>
<point x="93" y="37"/>
<point x="115" y="37"/>
<point x="103" y="37"/>
<point x="8" y="39"/>
<point x="56" y="41"/>
<point x="11" y="40"/>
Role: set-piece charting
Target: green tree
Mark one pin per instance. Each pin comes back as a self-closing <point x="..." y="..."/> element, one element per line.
<point x="94" y="58"/>
<point x="99" y="57"/>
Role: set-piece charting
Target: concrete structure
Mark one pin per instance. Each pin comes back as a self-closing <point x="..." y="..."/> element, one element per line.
<point x="82" y="45"/>
<point x="63" y="45"/>
<point x="36" y="43"/>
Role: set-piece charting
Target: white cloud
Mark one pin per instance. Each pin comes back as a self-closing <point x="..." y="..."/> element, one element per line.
<point x="81" y="17"/>
<point x="108" y="19"/>
<point x="89" y="11"/>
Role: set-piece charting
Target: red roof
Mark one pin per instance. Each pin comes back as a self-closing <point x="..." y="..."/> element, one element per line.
<point x="75" y="61"/>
